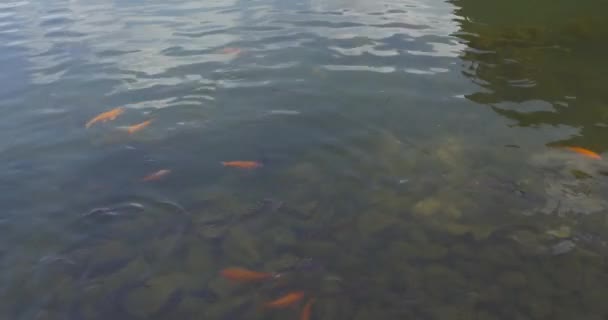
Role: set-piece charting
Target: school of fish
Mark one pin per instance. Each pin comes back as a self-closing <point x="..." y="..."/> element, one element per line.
<point x="289" y="299"/>
<point x="243" y="275"/>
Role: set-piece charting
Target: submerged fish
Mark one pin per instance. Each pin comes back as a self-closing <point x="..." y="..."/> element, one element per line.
<point x="285" y="112"/>
<point x="116" y="210"/>
<point x="286" y="300"/>
<point x="101" y="212"/>
<point x="106" y="116"/>
<point x="231" y="50"/>
<point x="242" y="164"/>
<point x="156" y="175"/>
<point x="585" y="152"/>
<point x="307" y="310"/>
<point x="245" y="275"/>
<point x="137" y="127"/>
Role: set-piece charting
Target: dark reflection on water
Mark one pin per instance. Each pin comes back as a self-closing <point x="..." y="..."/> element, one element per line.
<point x="545" y="68"/>
<point x="388" y="188"/>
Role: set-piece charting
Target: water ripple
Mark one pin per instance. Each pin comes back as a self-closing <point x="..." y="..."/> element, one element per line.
<point x="198" y="61"/>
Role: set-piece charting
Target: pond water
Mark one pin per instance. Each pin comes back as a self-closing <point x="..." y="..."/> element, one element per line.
<point x="410" y="159"/>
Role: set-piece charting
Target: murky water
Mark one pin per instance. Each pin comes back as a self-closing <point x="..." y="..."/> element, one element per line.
<point x="413" y="159"/>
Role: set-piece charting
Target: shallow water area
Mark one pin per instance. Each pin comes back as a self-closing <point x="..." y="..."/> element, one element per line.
<point x="389" y="159"/>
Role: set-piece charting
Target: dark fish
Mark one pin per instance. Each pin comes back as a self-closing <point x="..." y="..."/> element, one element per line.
<point x="117" y="210"/>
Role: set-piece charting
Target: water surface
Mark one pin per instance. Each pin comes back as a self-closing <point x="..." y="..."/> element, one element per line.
<point x="413" y="158"/>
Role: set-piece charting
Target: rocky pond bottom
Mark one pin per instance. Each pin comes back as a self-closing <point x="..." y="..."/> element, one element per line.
<point x="467" y="244"/>
<point x="360" y="160"/>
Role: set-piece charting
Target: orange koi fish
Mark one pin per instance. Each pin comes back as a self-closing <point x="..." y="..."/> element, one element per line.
<point x="137" y="127"/>
<point x="585" y="152"/>
<point x="286" y="300"/>
<point x="106" y="116"/>
<point x="242" y="164"/>
<point x="231" y="50"/>
<point x="156" y="175"/>
<point x="245" y="275"/>
<point x="307" y="310"/>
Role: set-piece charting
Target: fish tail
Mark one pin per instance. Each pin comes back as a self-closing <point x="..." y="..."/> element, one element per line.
<point x="91" y="122"/>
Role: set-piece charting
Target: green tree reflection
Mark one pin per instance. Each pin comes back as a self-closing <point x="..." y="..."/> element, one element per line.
<point x="540" y="63"/>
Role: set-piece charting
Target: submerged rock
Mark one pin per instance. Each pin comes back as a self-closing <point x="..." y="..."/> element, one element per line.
<point x="221" y="287"/>
<point x="47" y="314"/>
<point x="136" y="269"/>
<point x="453" y="311"/>
<point x="62" y="290"/>
<point x="284" y="262"/>
<point x="282" y="236"/>
<point x="234" y="307"/>
<point x="368" y="313"/>
<point x="241" y="247"/>
<point x="331" y="285"/>
<point x="440" y="281"/>
<point x="563" y="247"/>
<point x="318" y="249"/>
<point x="191" y="307"/>
<point x="560" y="233"/>
<point x="429" y="251"/>
<point x="490" y="293"/>
<point x="305" y="173"/>
<point x="199" y="261"/>
<point x="451" y="152"/>
<point x="212" y="231"/>
<point x="479" y="232"/>
<point x="513" y="280"/>
<point x="107" y="258"/>
<point x="500" y="255"/>
<point x="530" y="242"/>
<point x="417" y="234"/>
<point x="163" y="247"/>
<point x="373" y="222"/>
<point x="148" y="299"/>
<point x="484" y="315"/>
<point x="427" y="207"/>
<point x="538" y="306"/>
